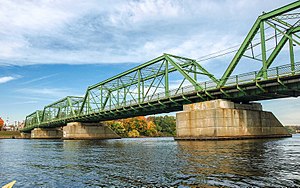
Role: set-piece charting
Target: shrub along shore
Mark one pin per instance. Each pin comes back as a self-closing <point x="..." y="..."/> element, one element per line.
<point x="152" y="126"/>
<point x="10" y="134"/>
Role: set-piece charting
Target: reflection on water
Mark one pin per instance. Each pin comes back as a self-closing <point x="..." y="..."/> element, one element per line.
<point x="240" y="162"/>
<point x="152" y="162"/>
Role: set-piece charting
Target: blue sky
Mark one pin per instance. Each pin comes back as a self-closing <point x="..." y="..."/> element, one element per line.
<point x="51" y="49"/>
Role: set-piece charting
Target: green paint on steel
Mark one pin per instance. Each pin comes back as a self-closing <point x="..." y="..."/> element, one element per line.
<point x="278" y="48"/>
<point x="167" y="82"/>
<point x="263" y="50"/>
<point x="292" y="56"/>
<point x="253" y="31"/>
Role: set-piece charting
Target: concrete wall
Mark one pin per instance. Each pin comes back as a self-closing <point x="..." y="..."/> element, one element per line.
<point x="77" y="130"/>
<point x="222" y="119"/>
<point x="46" y="133"/>
<point x="25" y="135"/>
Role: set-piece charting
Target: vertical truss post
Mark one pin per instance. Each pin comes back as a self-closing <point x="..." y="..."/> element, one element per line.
<point x="38" y="118"/>
<point x="43" y="115"/>
<point x="292" y="57"/>
<point x="195" y="72"/>
<point x="143" y="91"/>
<point x="139" y="85"/>
<point x="101" y="97"/>
<point x="110" y="96"/>
<point x="263" y="50"/>
<point x="88" y="103"/>
<point x="118" y="93"/>
<point x="124" y="99"/>
<point x="58" y="115"/>
<point x="167" y="93"/>
<point x="71" y="106"/>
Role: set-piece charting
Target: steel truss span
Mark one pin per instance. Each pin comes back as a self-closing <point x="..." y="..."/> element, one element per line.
<point x="167" y="82"/>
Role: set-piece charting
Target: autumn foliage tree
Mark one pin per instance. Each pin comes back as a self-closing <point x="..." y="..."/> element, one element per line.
<point x="1" y="123"/>
<point x="141" y="126"/>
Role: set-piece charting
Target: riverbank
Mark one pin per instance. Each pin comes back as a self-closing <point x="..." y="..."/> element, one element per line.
<point x="10" y="134"/>
<point x="293" y="129"/>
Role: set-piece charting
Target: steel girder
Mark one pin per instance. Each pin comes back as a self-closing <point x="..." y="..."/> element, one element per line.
<point x="33" y="119"/>
<point x="152" y="80"/>
<point x="59" y="110"/>
<point x="282" y="25"/>
<point x="282" y="82"/>
<point x="167" y="82"/>
<point x="64" y="108"/>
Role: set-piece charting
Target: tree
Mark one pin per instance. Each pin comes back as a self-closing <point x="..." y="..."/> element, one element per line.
<point x="1" y="123"/>
<point x="151" y="129"/>
<point x="166" y="125"/>
<point x="141" y="126"/>
<point x="133" y="134"/>
<point x="118" y="128"/>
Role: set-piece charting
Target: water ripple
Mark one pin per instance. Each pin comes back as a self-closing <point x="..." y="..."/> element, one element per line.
<point x="151" y="162"/>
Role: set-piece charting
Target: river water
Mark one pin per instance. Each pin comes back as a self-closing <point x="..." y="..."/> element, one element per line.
<point x="151" y="162"/>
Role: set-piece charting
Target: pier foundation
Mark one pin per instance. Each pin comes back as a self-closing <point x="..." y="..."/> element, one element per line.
<point x="46" y="133"/>
<point x="223" y="119"/>
<point x="25" y="135"/>
<point x="86" y="131"/>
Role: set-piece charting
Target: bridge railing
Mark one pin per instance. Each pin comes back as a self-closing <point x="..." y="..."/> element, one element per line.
<point x="274" y="72"/>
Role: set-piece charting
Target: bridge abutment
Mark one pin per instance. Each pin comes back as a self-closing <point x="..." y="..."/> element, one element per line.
<point x="223" y="119"/>
<point x="87" y="131"/>
<point x="25" y="135"/>
<point x="46" y="133"/>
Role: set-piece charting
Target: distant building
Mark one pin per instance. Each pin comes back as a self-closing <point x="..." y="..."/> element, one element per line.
<point x="9" y="128"/>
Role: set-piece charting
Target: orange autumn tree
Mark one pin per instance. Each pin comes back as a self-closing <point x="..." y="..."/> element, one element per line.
<point x="151" y="129"/>
<point x="1" y="123"/>
<point x="134" y="127"/>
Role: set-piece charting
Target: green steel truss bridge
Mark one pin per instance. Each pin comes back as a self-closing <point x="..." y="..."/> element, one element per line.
<point x="167" y="82"/>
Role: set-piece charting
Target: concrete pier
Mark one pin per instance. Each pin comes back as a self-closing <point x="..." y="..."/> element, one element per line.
<point x="223" y="119"/>
<point x="46" y="133"/>
<point x="25" y="135"/>
<point x="87" y="131"/>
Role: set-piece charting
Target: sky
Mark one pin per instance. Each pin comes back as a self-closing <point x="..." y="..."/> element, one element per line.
<point x="53" y="48"/>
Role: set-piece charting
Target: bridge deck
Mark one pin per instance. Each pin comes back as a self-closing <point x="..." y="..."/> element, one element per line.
<point x="148" y="88"/>
<point x="281" y="83"/>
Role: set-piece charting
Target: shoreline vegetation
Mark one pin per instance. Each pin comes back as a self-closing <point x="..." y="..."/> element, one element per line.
<point x="152" y="126"/>
<point x="140" y="127"/>
<point x="10" y="134"/>
<point x="292" y="129"/>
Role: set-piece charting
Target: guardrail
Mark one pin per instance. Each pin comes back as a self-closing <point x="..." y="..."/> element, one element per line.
<point x="251" y="77"/>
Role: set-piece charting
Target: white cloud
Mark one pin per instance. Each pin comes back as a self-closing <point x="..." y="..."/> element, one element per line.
<point x="6" y="79"/>
<point x="39" y="79"/>
<point x="24" y="102"/>
<point x="141" y="12"/>
<point x="48" y="92"/>
<point x="38" y="16"/>
<point x="80" y="32"/>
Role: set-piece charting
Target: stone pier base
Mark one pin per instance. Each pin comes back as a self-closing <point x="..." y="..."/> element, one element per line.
<point x="87" y="131"/>
<point x="222" y="119"/>
<point x="25" y="135"/>
<point x="46" y="133"/>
